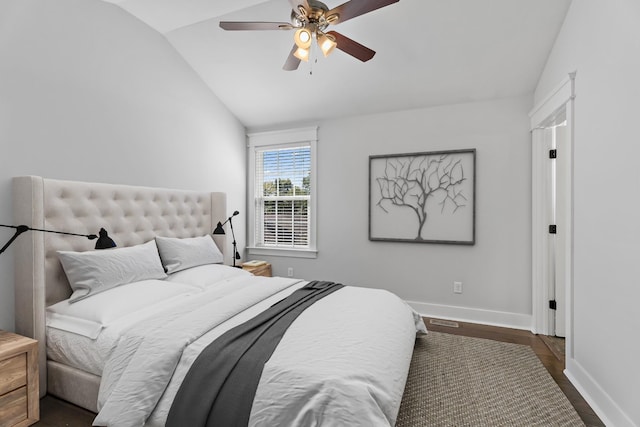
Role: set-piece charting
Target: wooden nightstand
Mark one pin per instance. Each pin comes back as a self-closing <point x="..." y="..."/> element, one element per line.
<point x="19" y="393"/>
<point x="260" y="270"/>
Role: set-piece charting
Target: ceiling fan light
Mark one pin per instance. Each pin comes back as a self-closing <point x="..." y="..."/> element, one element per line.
<point x="327" y="44"/>
<point x="302" y="38"/>
<point x="302" y="54"/>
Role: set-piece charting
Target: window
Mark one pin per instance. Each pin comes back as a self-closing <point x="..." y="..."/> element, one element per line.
<point x="283" y="180"/>
<point x="282" y="193"/>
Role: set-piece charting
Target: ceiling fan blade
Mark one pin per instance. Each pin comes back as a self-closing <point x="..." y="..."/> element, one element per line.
<point x="292" y="62"/>
<point x="240" y="26"/>
<point x="352" y="47"/>
<point x="296" y="3"/>
<point x="354" y="8"/>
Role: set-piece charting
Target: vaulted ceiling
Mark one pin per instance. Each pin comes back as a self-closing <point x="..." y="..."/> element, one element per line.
<point x="429" y="52"/>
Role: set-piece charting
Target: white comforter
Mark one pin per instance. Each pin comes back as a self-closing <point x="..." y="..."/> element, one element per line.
<point x="343" y="362"/>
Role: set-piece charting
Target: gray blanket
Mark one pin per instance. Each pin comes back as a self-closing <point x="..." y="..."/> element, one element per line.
<point x="220" y="386"/>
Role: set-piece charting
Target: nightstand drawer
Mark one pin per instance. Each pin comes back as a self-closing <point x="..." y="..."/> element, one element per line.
<point x="13" y="407"/>
<point x="19" y="391"/>
<point x="13" y="373"/>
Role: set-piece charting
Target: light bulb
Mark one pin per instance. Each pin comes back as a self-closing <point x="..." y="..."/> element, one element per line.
<point x="327" y="43"/>
<point x="302" y="54"/>
<point x="302" y="38"/>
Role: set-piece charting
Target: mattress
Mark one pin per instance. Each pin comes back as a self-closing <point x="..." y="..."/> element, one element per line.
<point x="83" y="335"/>
<point x="88" y="354"/>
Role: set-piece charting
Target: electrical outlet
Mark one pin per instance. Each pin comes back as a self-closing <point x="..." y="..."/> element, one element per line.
<point x="290" y="271"/>
<point x="457" y="287"/>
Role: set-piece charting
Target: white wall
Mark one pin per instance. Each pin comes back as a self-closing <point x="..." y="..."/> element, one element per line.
<point x="601" y="40"/>
<point x="89" y="93"/>
<point x="496" y="272"/>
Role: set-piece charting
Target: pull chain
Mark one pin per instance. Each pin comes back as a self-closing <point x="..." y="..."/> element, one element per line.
<point x="313" y="57"/>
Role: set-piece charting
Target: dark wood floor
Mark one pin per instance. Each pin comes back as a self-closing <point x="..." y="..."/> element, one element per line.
<point x="57" y="413"/>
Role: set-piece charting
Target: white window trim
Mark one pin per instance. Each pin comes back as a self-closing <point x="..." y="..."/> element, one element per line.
<point x="279" y="139"/>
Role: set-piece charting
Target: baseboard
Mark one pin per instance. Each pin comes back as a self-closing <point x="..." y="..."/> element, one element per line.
<point x="602" y="404"/>
<point x="474" y="315"/>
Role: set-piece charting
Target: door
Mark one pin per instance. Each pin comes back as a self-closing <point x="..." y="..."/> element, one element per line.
<point x="562" y="194"/>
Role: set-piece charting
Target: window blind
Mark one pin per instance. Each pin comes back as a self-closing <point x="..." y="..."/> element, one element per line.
<point x="283" y="195"/>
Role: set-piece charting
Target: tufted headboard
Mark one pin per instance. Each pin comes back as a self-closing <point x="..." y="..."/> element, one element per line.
<point x="131" y="215"/>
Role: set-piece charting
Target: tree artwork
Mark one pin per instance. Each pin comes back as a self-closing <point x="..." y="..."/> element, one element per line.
<point x="438" y="184"/>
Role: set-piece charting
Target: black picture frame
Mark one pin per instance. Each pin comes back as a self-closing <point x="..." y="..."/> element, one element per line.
<point x="426" y="197"/>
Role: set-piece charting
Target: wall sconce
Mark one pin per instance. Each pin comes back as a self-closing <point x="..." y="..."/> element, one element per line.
<point x="220" y="230"/>
<point x="104" y="241"/>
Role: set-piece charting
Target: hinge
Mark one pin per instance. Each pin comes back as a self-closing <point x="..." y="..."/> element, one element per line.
<point x="553" y="229"/>
<point x="552" y="304"/>
<point x="553" y="154"/>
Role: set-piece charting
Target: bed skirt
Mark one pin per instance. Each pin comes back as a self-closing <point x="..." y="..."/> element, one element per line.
<point x="73" y="385"/>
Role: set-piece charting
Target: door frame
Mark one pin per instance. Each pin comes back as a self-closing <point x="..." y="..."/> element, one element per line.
<point x="563" y="96"/>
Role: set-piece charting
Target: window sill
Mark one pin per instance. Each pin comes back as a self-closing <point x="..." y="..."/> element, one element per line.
<point x="283" y="252"/>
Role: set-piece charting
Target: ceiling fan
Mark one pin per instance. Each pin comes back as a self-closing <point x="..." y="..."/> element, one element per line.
<point x="311" y="18"/>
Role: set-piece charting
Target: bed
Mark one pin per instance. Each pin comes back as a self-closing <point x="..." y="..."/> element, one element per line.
<point x="343" y="360"/>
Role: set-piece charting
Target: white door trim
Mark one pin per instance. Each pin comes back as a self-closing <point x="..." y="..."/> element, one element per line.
<point x="562" y="96"/>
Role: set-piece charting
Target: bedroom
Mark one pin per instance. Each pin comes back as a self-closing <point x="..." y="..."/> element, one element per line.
<point x="87" y="92"/>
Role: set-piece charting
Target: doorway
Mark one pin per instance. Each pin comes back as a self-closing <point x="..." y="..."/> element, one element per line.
<point x="552" y="212"/>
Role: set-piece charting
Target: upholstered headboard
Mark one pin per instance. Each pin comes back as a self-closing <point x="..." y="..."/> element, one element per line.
<point x="131" y="215"/>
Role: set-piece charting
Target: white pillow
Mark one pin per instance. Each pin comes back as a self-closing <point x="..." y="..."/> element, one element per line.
<point x="206" y="275"/>
<point x="178" y="254"/>
<point x="93" y="272"/>
<point x="87" y="317"/>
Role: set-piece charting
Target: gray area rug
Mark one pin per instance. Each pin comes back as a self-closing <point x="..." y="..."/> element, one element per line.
<point x="462" y="381"/>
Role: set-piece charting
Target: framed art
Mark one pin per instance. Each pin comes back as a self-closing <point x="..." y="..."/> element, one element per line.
<point x="423" y="197"/>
